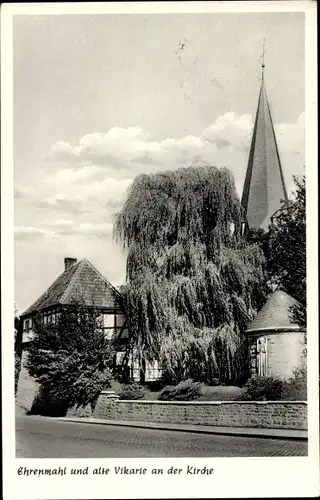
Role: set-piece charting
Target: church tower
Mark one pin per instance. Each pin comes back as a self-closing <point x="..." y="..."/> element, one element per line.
<point x="264" y="188"/>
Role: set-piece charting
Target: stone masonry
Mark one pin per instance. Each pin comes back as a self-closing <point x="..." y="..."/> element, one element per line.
<point x="269" y="414"/>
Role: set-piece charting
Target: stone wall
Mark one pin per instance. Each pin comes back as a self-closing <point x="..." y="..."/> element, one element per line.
<point x="270" y="414"/>
<point x="27" y="386"/>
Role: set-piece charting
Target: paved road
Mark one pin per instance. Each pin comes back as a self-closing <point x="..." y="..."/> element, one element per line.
<point x="43" y="437"/>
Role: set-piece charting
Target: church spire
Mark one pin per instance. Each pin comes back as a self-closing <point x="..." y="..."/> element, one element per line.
<point x="264" y="186"/>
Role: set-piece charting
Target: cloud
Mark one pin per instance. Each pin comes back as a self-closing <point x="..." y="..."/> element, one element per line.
<point x="31" y="232"/>
<point x="75" y="192"/>
<point x="230" y="129"/>
<point x="117" y="145"/>
<point x="291" y="136"/>
<point x="104" y="229"/>
<point x="64" y="228"/>
<point x="84" y="174"/>
<point x="23" y="192"/>
<point x="127" y="152"/>
<point x="130" y="149"/>
<point x="93" y="176"/>
<point x="61" y="150"/>
<point x="61" y="203"/>
<point x="69" y="227"/>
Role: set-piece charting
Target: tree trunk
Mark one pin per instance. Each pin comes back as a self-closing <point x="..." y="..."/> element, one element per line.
<point x="142" y="371"/>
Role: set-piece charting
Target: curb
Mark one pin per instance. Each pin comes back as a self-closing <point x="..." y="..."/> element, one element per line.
<point x="234" y="431"/>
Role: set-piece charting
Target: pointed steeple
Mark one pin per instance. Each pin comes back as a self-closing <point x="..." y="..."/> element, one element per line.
<point x="264" y="186"/>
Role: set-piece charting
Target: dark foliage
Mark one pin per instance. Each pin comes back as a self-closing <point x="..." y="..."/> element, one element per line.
<point x="131" y="391"/>
<point x="260" y="388"/>
<point x="18" y="332"/>
<point x="49" y="405"/>
<point x="155" y="385"/>
<point x="187" y="390"/>
<point x="286" y="256"/>
<point x="296" y="389"/>
<point x="71" y="359"/>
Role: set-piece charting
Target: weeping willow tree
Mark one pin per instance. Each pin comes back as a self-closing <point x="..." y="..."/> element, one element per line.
<point x="192" y="283"/>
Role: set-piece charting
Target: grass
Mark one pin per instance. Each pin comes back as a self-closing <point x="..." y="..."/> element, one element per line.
<point x="221" y="393"/>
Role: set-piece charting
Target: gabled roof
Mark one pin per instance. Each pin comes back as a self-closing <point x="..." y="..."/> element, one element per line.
<point x="81" y="282"/>
<point x="264" y="186"/>
<point x="275" y="314"/>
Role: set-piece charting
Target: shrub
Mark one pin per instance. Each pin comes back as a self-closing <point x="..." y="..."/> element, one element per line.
<point x="131" y="391"/>
<point x="155" y="385"/>
<point x="48" y="405"/>
<point x="187" y="390"/>
<point x="71" y="359"/>
<point x="296" y="388"/>
<point x="216" y="382"/>
<point x="260" y="388"/>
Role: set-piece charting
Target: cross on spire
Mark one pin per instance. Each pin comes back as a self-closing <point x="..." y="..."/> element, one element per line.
<point x="262" y="57"/>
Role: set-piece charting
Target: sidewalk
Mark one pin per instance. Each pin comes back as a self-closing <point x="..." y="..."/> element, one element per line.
<point x="202" y="429"/>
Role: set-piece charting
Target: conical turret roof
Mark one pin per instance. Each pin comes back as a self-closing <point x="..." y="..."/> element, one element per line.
<point x="275" y="315"/>
<point x="264" y="186"/>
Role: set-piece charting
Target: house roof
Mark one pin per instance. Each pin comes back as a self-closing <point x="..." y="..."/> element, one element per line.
<point x="264" y="186"/>
<point x="80" y="282"/>
<point x="275" y="314"/>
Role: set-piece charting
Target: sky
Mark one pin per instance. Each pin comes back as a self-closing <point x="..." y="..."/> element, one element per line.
<point x="99" y="99"/>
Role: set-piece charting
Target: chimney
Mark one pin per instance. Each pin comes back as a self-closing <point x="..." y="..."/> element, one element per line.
<point x="69" y="262"/>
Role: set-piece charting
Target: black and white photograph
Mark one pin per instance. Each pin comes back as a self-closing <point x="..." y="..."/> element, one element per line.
<point x="160" y="181"/>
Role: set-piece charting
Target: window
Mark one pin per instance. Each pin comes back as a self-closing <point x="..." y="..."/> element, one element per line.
<point x="27" y="325"/>
<point x="262" y="356"/>
<point x="108" y="321"/>
<point x="153" y="371"/>
<point x="124" y="333"/>
<point x="119" y="320"/>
